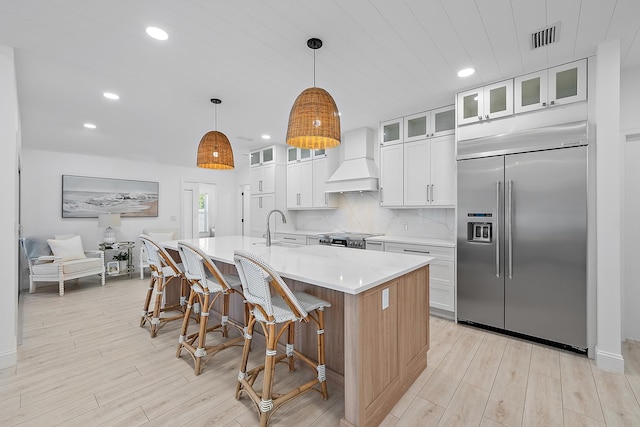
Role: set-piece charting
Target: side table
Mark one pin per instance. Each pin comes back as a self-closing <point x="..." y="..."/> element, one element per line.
<point x="116" y="266"/>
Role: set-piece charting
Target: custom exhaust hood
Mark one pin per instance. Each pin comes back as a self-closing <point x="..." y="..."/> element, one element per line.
<point x="358" y="170"/>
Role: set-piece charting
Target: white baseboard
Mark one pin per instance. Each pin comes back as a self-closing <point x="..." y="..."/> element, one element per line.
<point x="8" y="359"/>
<point x="609" y="361"/>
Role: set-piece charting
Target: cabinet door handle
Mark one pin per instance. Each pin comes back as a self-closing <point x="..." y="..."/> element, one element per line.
<point x="260" y="185"/>
<point x="498" y="229"/>
<point x="428" y="198"/>
<point x="288" y="238"/>
<point x="381" y="195"/>
<point x="552" y="102"/>
<point x="510" y="232"/>
<point x="432" y="190"/>
<point x="544" y="104"/>
<point x="260" y="202"/>
<point x="487" y="116"/>
<point x="415" y="251"/>
<point x="479" y="117"/>
<point x="326" y="199"/>
<point x="374" y="243"/>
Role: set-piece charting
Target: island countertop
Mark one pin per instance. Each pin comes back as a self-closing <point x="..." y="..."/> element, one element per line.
<point x="347" y="270"/>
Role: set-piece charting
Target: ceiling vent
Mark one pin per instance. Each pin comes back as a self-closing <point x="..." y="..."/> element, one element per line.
<point x="545" y="36"/>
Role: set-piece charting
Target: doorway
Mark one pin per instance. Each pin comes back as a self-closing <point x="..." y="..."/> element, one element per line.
<point x="199" y="209"/>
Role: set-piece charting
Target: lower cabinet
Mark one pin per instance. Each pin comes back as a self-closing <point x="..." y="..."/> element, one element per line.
<point x="441" y="272"/>
<point x="297" y="239"/>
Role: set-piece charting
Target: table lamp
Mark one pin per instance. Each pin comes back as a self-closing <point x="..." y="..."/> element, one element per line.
<point x="109" y="220"/>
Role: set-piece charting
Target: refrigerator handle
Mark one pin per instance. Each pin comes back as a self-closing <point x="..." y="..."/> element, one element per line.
<point x="498" y="229"/>
<point x="510" y="236"/>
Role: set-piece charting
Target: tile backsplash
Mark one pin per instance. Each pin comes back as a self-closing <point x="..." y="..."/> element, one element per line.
<point x="361" y="213"/>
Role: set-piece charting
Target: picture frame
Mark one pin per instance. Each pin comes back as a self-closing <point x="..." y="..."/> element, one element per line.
<point x="88" y="197"/>
<point x="113" y="267"/>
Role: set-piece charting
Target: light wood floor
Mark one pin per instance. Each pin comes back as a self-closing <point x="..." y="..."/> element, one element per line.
<point x="85" y="361"/>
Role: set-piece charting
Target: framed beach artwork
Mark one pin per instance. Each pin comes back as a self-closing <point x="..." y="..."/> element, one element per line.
<point x="88" y="197"/>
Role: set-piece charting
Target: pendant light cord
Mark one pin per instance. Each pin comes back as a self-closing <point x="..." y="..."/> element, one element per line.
<point x="215" y="117"/>
<point x="314" y="68"/>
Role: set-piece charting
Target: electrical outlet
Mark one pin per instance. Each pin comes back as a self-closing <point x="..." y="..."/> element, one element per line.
<point x="385" y="298"/>
<point x="405" y="226"/>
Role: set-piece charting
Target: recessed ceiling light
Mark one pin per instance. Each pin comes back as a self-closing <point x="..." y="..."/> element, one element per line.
<point x="111" y="95"/>
<point x="157" y="33"/>
<point x="265" y="136"/>
<point x="466" y="72"/>
<point x="89" y="125"/>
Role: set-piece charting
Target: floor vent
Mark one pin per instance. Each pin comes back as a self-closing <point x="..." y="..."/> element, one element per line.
<point x="545" y="36"/>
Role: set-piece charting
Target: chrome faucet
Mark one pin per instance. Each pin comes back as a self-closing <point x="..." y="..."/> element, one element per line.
<point x="284" y="221"/>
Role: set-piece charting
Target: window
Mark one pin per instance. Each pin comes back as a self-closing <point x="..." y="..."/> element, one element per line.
<point x="203" y="213"/>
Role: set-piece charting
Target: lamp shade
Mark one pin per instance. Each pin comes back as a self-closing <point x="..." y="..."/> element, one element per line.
<point x="215" y="152"/>
<point x="109" y="220"/>
<point x="314" y="122"/>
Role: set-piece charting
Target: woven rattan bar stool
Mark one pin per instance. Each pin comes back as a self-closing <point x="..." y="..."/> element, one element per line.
<point x="276" y="315"/>
<point x="165" y="272"/>
<point x="205" y="290"/>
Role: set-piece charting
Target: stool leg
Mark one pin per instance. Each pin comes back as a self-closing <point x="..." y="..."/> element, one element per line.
<point x="185" y="323"/>
<point x="321" y="360"/>
<point x="147" y="301"/>
<point x="225" y="313"/>
<point x="202" y="332"/>
<point x="245" y="353"/>
<point x="266" y="404"/>
<point x="155" y="319"/>
<point x="290" y="342"/>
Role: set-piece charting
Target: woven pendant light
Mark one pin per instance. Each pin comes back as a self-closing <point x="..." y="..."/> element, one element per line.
<point x="214" y="151"/>
<point x="314" y="122"/>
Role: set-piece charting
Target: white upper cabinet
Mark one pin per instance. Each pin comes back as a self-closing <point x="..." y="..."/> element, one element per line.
<point x="298" y="154"/>
<point x="307" y="173"/>
<point x="443" y="170"/>
<point x="559" y="85"/>
<point x="263" y="156"/>
<point x="443" y="121"/>
<point x="429" y="168"/>
<point x="391" y="176"/>
<point x="429" y="124"/>
<point x="485" y="103"/>
<point x="299" y="185"/>
<point x="321" y="172"/>
<point x="391" y="132"/>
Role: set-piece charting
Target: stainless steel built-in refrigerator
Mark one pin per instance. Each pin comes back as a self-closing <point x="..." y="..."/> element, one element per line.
<point x="522" y="233"/>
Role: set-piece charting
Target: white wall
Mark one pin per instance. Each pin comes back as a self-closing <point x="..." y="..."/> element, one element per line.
<point x="609" y="207"/>
<point x="630" y="125"/>
<point x="10" y="142"/>
<point x="42" y="194"/>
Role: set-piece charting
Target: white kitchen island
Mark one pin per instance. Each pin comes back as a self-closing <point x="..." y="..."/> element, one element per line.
<point x="377" y="329"/>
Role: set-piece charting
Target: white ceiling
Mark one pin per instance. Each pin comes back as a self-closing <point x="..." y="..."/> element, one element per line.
<point x="381" y="59"/>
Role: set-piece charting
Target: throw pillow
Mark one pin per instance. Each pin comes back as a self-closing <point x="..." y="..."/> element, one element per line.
<point x="67" y="249"/>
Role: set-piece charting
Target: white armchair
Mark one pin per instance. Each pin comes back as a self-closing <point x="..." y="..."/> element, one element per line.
<point x="58" y="260"/>
<point x="159" y="235"/>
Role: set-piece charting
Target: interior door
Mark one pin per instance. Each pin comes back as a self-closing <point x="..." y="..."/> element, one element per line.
<point x="546" y="283"/>
<point x="481" y="259"/>
<point x="190" y="199"/>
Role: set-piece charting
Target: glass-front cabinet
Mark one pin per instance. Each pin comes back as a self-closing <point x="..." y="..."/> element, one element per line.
<point x="443" y="121"/>
<point x="485" y="103"/>
<point x="417" y="126"/>
<point x="429" y="124"/>
<point x="391" y="132"/>
<point x="263" y="156"/>
<point x="298" y="154"/>
<point x="559" y="85"/>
